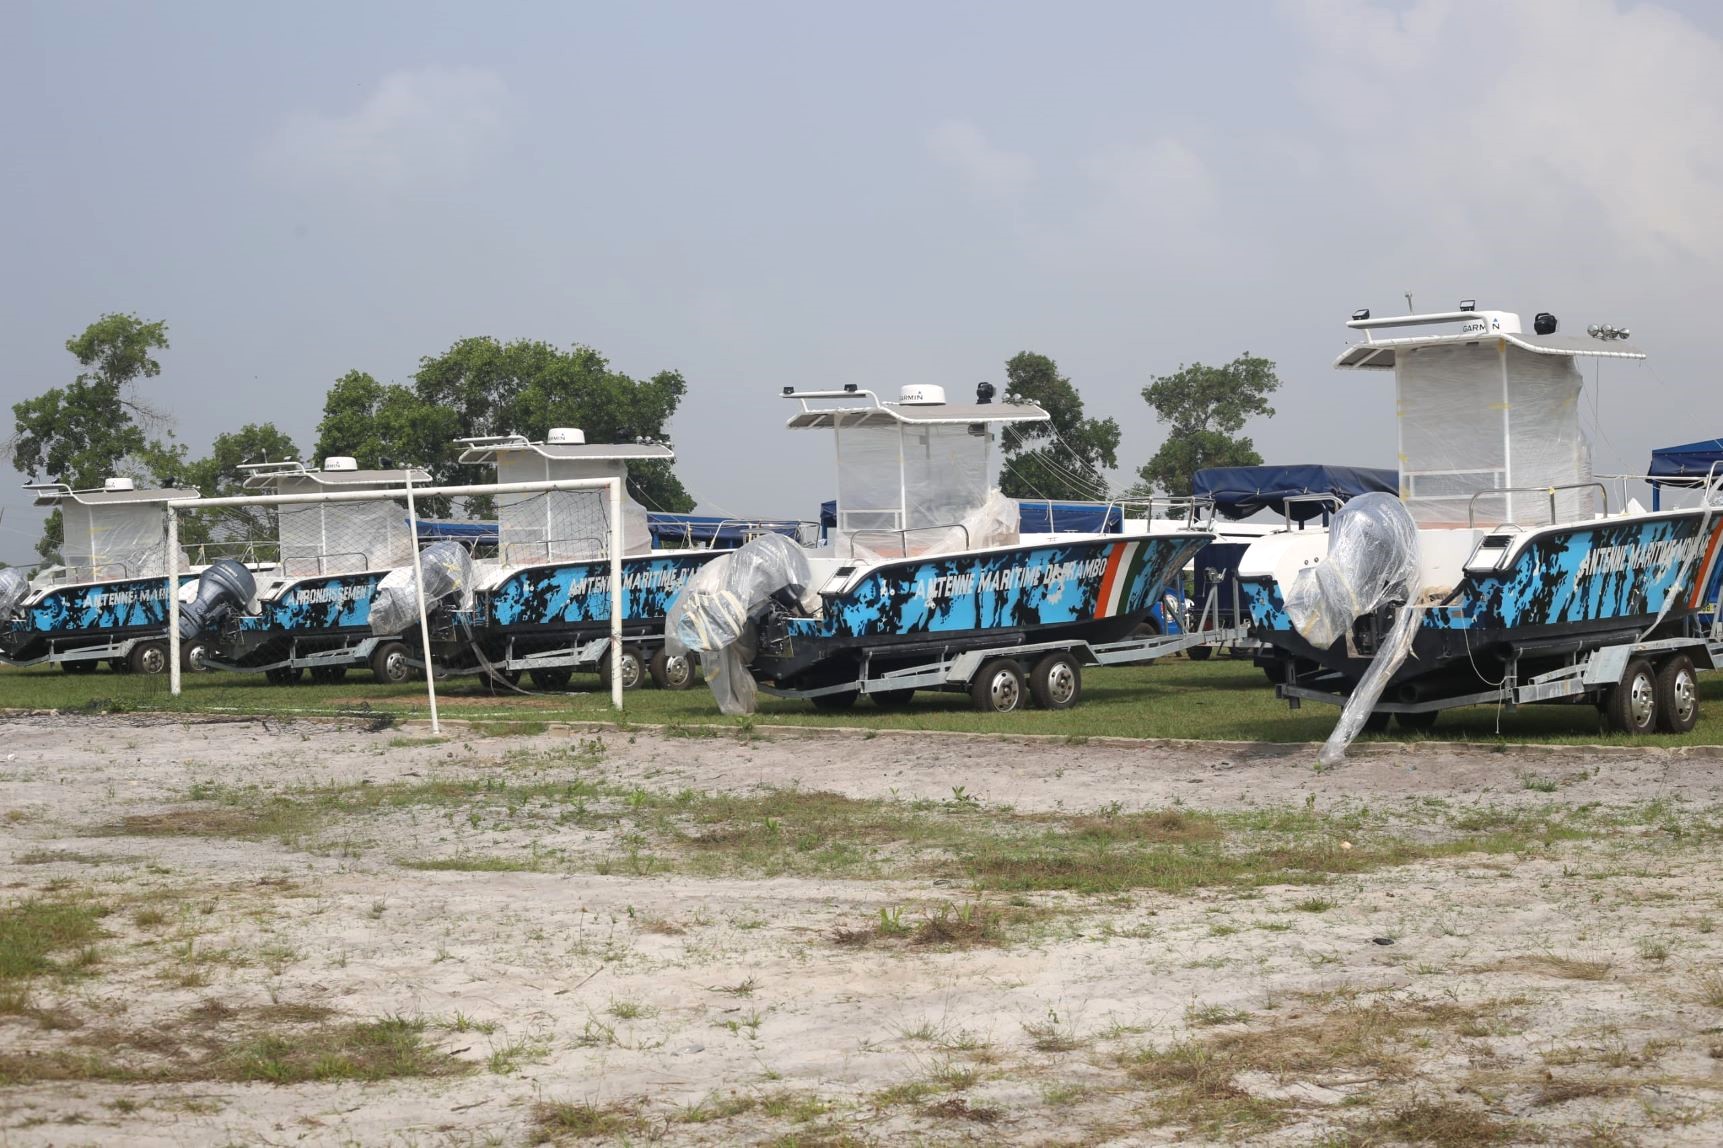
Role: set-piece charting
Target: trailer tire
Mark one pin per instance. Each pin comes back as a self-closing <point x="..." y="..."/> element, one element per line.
<point x="1631" y="706"/>
<point x="1677" y="695"/>
<point x="191" y="658"/>
<point x="671" y="673"/>
<point x="998" y="687"/>
<point x="552" y="677"/>
<point x="283" y="675"/>
<point x="389" y="663"/>
<point x="838" y="701"/>
<point x="633" y="668"/>
<point x="148" y="658"/>
<point x="1200" y="653"/>
<point x="506" y="677"/>
<point x="892" y="699"/>
<point x="79" y="666"/>
<point x="1418" y="722"/>
<point x="120" y="665"/>
<point x="328" y="675"/>
<point x="1377" y="722"/>
<point x="1056" y="682"/>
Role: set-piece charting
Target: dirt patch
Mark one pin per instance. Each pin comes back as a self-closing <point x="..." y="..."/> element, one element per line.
<point x="376" y="937"/>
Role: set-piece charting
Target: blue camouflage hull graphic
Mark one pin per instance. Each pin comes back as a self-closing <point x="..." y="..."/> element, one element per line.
<point x="305" y="616"/>
<point x="1580" y="580"/>
<point x="1095" y="590"/>
<point x="88" y="614"/>
<point x="578" y="594"/>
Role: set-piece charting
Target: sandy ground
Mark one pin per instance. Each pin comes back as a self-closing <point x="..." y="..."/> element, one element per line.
<point x="660" y="998"/>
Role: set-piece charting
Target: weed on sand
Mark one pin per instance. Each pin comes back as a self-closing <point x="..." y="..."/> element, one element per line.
<point x="36" y="931"/>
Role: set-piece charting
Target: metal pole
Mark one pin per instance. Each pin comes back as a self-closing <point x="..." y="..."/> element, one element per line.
<point x="173" y="602"/>
<point x="424" y="625"/>
<point x="616" y="593"/>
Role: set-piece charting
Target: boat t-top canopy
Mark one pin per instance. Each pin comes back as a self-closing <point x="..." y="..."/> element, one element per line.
<point x="562" y="444"/>
<point x="290" y="474"/>
<point x="917" y="406"/>
<point x="116" y="492"/>
<point x="1488" y="415"/>
<point x="1382" y="354"/>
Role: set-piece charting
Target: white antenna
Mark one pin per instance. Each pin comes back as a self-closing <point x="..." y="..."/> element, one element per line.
<point x="1410" y="310"/>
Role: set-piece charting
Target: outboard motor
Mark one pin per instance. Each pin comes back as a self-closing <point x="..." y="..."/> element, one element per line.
<point x="13" y="586"/>
<point x="448" y="570"/>
<point x="227" y="586"/>
<point x="1372" y="561"/>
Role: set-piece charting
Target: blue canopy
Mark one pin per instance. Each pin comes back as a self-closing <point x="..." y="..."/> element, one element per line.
<point x="1241" y="491"/>
<point x="687" y="529"/>
<point x="1039" y="517"/>
<point x="1689" y="460"/>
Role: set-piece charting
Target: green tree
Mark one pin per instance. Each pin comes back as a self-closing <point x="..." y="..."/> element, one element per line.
<point x="481" y="386"/>
<point x="1205" y="408"/>
<point x="220" y="475"/>
<point x="95" y="426"/>
<point x="1061" y="459"/>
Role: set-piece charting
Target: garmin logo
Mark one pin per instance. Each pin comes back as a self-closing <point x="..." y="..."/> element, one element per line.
<point x="1615" y="559"/>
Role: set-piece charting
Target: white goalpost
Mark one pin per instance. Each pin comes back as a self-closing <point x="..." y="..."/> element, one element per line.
<point x="612" y="486"/>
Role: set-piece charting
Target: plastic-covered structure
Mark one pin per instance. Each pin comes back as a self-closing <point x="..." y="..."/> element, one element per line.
<point x="1372" y="562"/>
<point x="1241" y="491"/>
<point x="686" y="529"/>
<point x="448" y="573"/>
<point x="713" y="614"/>
<point x="1039" y="516"/>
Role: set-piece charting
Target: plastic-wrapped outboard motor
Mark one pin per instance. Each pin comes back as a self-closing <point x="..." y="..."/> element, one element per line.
<point x="225" y="587"/>
<point x="714" y="614"/>
<point x="1372" y="561"/>
<point x="448" y="570"/>
<point x="13" y="586"/>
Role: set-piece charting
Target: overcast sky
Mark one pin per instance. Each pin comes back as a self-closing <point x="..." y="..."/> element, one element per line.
<point x="813" y="194"/>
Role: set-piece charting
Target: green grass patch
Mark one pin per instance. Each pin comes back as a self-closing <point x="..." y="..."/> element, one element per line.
<point x="1224" y="699"/>
<point x="36" y="933"/>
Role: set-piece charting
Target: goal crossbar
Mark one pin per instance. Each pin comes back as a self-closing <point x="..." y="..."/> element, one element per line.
<point x="612" y="486"/>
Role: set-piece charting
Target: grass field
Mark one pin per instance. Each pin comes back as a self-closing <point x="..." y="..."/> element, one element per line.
<point x="1176" y="698"/>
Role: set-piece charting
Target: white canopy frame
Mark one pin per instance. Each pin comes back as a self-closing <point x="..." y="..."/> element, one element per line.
<point x="613" y="486"/>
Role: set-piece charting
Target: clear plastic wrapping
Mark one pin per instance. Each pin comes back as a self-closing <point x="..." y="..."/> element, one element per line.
<point x="13" y="586"/>
<point x="1372" y="561"/>
<point x="1481" y="417"/>
<point x="109" y="541"/>
<point x="994" y="522"/>
<point x="448" y="571"/>
<point x="713" y="615"/>
<point x="563" y="525"/>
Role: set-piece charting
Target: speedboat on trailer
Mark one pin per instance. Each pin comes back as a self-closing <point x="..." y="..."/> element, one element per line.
<point x="107" y="601"/>
<point x="543" y="606"/>
<point x="926" y="581"/>
<point x="1503" y="572"/>
<point x="312" y="611"/>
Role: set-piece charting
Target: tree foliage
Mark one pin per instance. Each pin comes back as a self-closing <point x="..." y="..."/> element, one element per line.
<point x="95" y="426"/>
<point x="481" y="386"/>
<point x="1062" y="459"/>
<point x="1205" y="408"/>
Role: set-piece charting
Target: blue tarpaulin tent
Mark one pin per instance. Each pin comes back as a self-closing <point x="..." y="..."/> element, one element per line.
<point x="1241" y="491"/>
<point x="1692" y="460"/>
<point x="684" y="529"/>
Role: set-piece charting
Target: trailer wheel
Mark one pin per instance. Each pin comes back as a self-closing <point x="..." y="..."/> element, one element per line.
<point x="998" y="688"/>
<point x="120" y="665"/>
<point x="507" y="677"/>
<point x="839" y="701"/>
<point x="191" y="658"/>
<point x="1632" y="703"/>
<point x="1056" y="682"/>
<point x="1200" y="653"/>
<point x="1377" y="722"/>
<point x="328" y="675"/>
<point x="633" y="668"/>
<point x="148" y="658"/>
<point x="389" y="663"/>
<point x="671" y="673"/>
<point x="283" y="675"/>
<point x="1418" y="722"/>
<point x="892" y="699"/>
<point x="79" y="666"/>
<point x="1677" y="695"/>
<point x="552" y="677"/>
